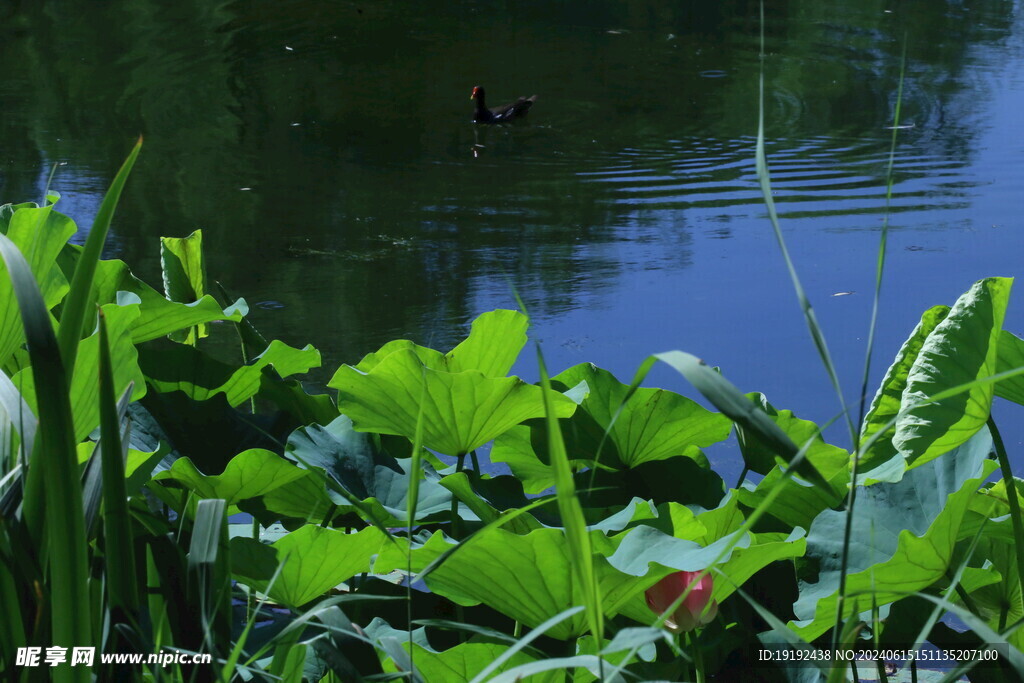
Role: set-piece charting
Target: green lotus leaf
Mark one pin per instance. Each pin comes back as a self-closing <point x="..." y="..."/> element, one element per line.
<point x="902" y="539"/>
<point x="494" y="342"/>
<point x="679" y="540"/>
<point x="368" y="473"/>
<point x="291" y="397"/>
<point x="653" y="424"/>
<point x="518" y="448"/>
<point x="200" y="376"/>
<point x="315" y="559"/>
<point x="249" y="474"/>
<point x="184" y="272"/>
<point x="524" y="448"/>
<point x="996" y="555"/>
<point x="994" y="589"/>
<point x="304" y="499"/>
<point x="962" y="348"/>
<point x="461" y="411"/>
<point x="889" y="398"/>
<point x="528" y="578"/>
<point x="159" y="316"/>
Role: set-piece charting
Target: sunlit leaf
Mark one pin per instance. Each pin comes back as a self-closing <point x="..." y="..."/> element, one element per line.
<point x="462" y="410"/>
<point x="184" y="272"/>
<point x="249" y="474"/>
<point x="889" y="399"/>
<point x="315" y="560"/>
<point x="962" y="348"/>
<point x="653" y="424"/>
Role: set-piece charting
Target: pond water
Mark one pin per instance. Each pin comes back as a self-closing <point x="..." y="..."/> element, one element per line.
<point x="326" y="150"/>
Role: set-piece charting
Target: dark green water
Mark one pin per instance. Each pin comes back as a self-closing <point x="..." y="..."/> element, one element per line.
<point x="326" y="150"/>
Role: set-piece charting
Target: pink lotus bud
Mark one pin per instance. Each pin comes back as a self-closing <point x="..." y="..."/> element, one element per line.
<point x="691" y="613"/>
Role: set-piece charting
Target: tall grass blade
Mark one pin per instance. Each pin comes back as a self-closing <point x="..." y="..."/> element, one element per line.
<point x="118" y="542"/>
<point x="203" y="563"/>
<point x="60" y="500"/>
<point x="851" y="500"/>
<point x="764" y="178"/>
<point x="882" y="242"/>
<point x="12" y="626"/>
<point x="1011" y="500"/>
<point x="72" y="319"/>
<point x="581" y="554"/>
<point x="413" y="498"/>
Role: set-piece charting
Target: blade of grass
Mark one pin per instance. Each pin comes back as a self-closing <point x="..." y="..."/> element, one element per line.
<point x="764" y="178"/>
<point x="581" y="554"/>
<point x="203" y="553"/>
<point x="882" y="242"/>
<point x="60" y="500"/>
<point x="413" y="497"/>
<point x="72" y="319"/>
<point x="118" y="542"/>
<point x="1011" y="500"/>
<point x="851" y="499"/>
<point x="12" y="626"/>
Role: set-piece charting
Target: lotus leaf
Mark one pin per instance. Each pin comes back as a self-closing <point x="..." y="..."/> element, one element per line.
<point x="314" y="559"/>
<point x="962" y="348"/>
<point x="651" y="424"/>
<point x="461" y="410"/>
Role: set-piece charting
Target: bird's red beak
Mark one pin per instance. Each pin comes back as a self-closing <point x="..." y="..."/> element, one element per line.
<point x="473" y="95"/>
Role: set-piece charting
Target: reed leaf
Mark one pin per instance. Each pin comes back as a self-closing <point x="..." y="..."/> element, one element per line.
<point x="55" y="458"/>
<point x="581" y="553"/>
<point x="117" y="534"/>
<point x="72" y="319"/>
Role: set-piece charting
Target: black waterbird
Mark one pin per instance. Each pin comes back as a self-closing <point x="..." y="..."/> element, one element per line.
<point x="508" y="112"/>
